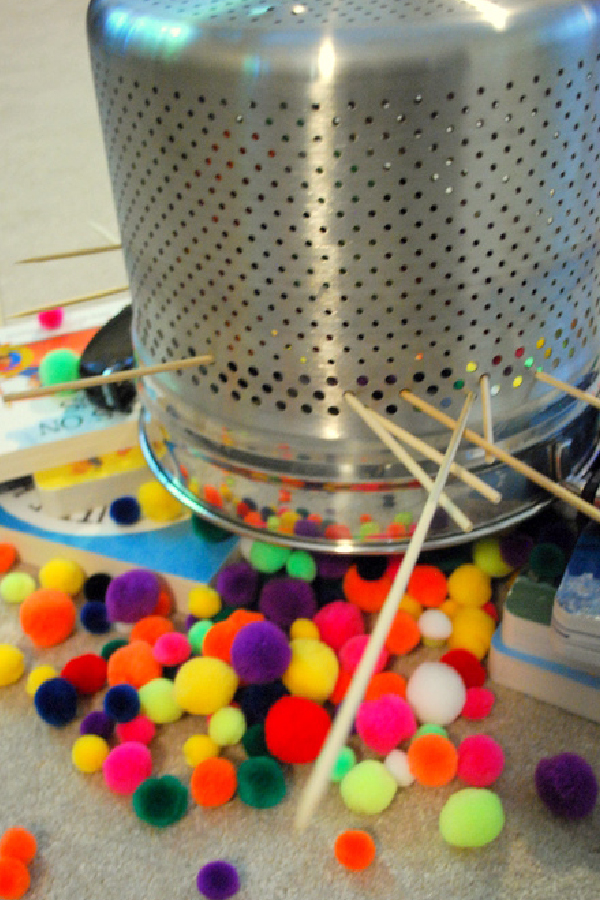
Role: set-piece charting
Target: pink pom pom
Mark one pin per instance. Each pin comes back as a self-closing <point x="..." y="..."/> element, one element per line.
<point x="337" y="622"/>
<point x="172" y="649"/>
<point x="126" y="766"/>
<point x="478" y="703"/>
<point x="51" y="318"/>
<point x="350" y="654"/>
<point x="140" y="729"/>
<point x="480" y="760"/>
<point x="385" y="722"/>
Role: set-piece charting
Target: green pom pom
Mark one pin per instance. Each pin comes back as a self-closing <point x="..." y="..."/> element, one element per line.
<point x="160" y="801"/>
<point x="301" y="564"/>
<point x="197" y="633"/>
<point x="268" y="558"/>
<point x="261" y="782"/>
<point x="208" y="531"/>
<point x="57" y="366"/>
<point x="253" y="740"/>
<point x="430" y="728"/>
<point x="345" y="761"/>
<point x="109" y="648"/>
<point x="471" y="817"/>
<point x="16" y="587"/>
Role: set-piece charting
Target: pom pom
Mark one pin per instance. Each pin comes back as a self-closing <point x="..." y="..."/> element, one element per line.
<point x="404" y="634"/>
<point x="125" y="510"/>
<point x="204" y="601"/>
<point x="352" y="651"/>
<point x="16" y="586"/>
<point x="388" y="682"/>
<point x="89" y="752"/>
<point x="237" y="584"/>
<point x="566" y="783"/>
<point x="304" y="628"/>
<point x="397" y="764"/>
<point x="469" y="585"/>
<point x="312" y="671"/>
<point x="122" y="702"/>
<point x="47" y="617"/>
<point x="133" y="664"/>
<point x="111" y="646"/>
<point x="301" y="564"/>
<point x="295" y="729"/>
<point x="95" y="586"/>
<point x="62" y="575"/>
<point x="158" y="699"/>
<point x="260" y="653"/>
<point x="49" y="319"/>
<point x="172" y="648"/>
<point x="436" y="693"/>
<point x="37" y="676"/>
<point x="268" y="558"/>
<point x="261" y="783"/>
<point x="12" y="664"/>
<point x="478" y="703"/>
<point x="480" y="760"/>
<point x="8" y="556"/>
<point x="126" y="766"/>
<point x="283" y="600"/>
<point x="132" y="595"/>
<point x="150" y="628"/>
<point x="218" y="880"/>
<point x="365" y="592"/>
<point x="213" y="781"/>
<point x="227" y="726"/>
<point x="56" y="702"/>
<point x="385" y="722"/>
<point x="337" y="622"/>
<point x="432" y="759"/>
<point x="345" y="760"/>
<point x="368" y="788"/>
<point x="160" y="801"/>
<point x="157" y="504"/>
<point x="354" y="849"/>
<point x="487" y="556"/>
<point x="472" y="629"/>
<point x="467" y="665"/>
<point x="87" y="673"/>
<point x="435" y="627"/>
<point x="140" y="729"/>
<point x="205" y="684"/>
<point x="57" y="366"/>
<point x="471" y="817"/>
<point x="427" y="585"/>
<point x="98" y="723"/>
<point x="256" y="700"/>
<point x="515" y="549"/>
<point x="18" y="843"/>
<point x="93" y="617"/>
<point x="199" y="747"/>
<point x="14" y="878"/>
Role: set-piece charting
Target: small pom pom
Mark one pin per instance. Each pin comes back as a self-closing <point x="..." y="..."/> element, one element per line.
<point x="467" y="665"/>
<point x="368" y="788"/>
<point x="12" y="664"/>
<point x="47" y="617"/>
<point x="57" y="366"/>
<point x="56" y="702"/>
<point x="62" y="575"/>
<point x="93" y="617"/>
<point x="404" y="634"/>
<point x="125" y="510"/>
<point x="337" y="622"/>
<point x="487" y="556"/>
<point x="480" y="760"/>
<point x="218" y="880"/>
<point x="295" y="729"/>
<point x="385" y="722"/>
<point x="260" y="653"/>
<point x="432" y="759"/>
<point x="471" y="817"/>
<point x="204" y="601"/>
<point x="227" y="726"/>
<point x="89" y="752"/>
<point x="387" y="682"/>
<point x="18" y="843"/>
<point x="345" y="760"/>
<point x="469" y="585"/>
<point x="159" y="701"/>
<point x="268" y="558"/>
<point x="95" y="586"/>
<point x="157" y="504"/>
<point x="261" y="782"/>
<point x="255" y="700"/>
<point x="436" y="693"/>
<point x="132" y="595"/>
<point x="478" y="703"/>
<point x="87" y="672"/>
<point x="354" y="849"/>
<point x="283" y="600"/>
<point x="301" y="564"/>
<point x="352" y="651"/>
<point x="14" y="878"/>
<point x="160" y="801"/>
<point x="213" y="781"/>
<point x="205" y="684"/>
<point x="98" y="723"/>
<point x="312" y="671"/>
<point x="199" y="747"/>
<point x="16" y="586"/>
<point x="38" y="675"/>
<point x="172" y="648"/>
<point x="427" y="585"/>
<point x="397" y="764"/>
<point x="50" y="319"/>
<point x="133" y="663"/>
<point x="126" y="766"/>
<point x="140" y="729"/>
<point x="237" y="584"/>
<point x="8" y="556"/>
<point x="566" y="783"/>
<point x="122" y="702"/>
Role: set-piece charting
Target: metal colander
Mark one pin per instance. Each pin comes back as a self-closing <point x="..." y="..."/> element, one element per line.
<point x="354" y="196"/>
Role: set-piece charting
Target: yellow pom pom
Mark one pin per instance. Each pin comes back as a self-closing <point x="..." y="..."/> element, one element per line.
<point x="304" y="628"/>
<point x="199" y="747"/>
<point x="411" y="606"/>
<point x="204" y="684"/>
<point x="313" y="669"/>
<point x="157" y="503"/>
<point x="472" y="629"/>
<point x="62" y="575"/>
<point x="204" y="601"/>
<point x="12" y="664"/>
<point x="37" y="676"/>
<point x="89" y="752"/>
<point x="469" y="585"/>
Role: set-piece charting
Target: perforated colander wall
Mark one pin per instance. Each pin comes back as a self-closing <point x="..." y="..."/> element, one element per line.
<point x="329" y="226"/>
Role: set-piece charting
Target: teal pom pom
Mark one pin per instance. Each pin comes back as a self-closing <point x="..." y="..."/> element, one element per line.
<point x="261" y="782"/>
<point x="160" y="801"/>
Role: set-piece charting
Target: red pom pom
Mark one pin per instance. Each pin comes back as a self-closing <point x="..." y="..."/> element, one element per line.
<point x="87" y="673"/>
<point x="467" y="665"/>
<point x="295" y="729"/>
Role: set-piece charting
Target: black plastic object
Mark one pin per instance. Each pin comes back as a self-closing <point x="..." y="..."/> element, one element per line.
<point x="111" y="350"/>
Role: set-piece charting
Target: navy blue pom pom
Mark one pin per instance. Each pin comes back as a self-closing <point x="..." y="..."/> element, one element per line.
<point x="122" y="702"/>
<point x="56" y="701"/>
<point x="93" y="617"/>
<point x="125" y="511"/>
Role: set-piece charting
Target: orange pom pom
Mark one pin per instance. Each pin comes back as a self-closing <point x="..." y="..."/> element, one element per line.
<point x="150" y="628"/>
<point x="14" y="878"/>
<point x="367" y="595"/>
<point x="48" y="617"/>
<point x="8" y="557"/>
<point x="341" y="686"/>
<point x="404" y="635"/>
<point x="133" y="664"/>
<point x="427" y="585"/>
<point x="432" y="759"/>
<point x="164" y="604"/>
<point x="213" y="781"/>
<point x="18" y="843"/>
<point x="354" y="849"/>
<point x="386" y="683"/>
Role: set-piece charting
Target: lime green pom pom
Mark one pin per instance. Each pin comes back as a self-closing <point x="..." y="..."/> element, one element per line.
<point x="197" y="633"/>
<point x="89" y="752"/>
<point x="301" y="564"/>
<point x="12" y="664"/>
<point x="346" y="760"/>
<point x="368" y="787"/>
<point x="487" y="557"/>
<point x="471" y="817"/>
<point x="268" y="558"/>
<point x="57" y="366"/>
<point x="157" y="700"/>
<point x="16" y="586"/>
<point x="227" y="726"/>
<point x="430" y="728"/>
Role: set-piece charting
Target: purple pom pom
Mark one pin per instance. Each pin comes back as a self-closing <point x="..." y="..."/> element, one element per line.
<point x="283" y="600"/>
<point x="132" y="595"/>
<point x="566" y="783"/>
<point x="218" y="880"/>
<point x="308" y="528"/>
<point x="237" y="584"/>
<point x="515" y="549"/>
<point x="260" y="653"/>
<point x="332" y="565"/>
<point x="98" y="722"/>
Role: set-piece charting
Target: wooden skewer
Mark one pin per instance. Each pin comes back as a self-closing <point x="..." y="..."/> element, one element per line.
<point x="69" y="254"/>
<point x="406" y="459"/>
<point x="568" y="389"/>
<point x="338" y="733"/>
<point x="84" y="298"/>
<point x="430" y="452"/>
<point x="541" y="480"/>
<point x="111" y="378"/>
<point x="486" y="408"/>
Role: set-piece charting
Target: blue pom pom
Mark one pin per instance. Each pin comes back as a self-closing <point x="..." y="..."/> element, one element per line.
<point x="56" y="702"/>
<point x="93" y="617"/>
<point x="257" y="699"/>
<point x="122" y="702"/>
<point x="125" y="511"/>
